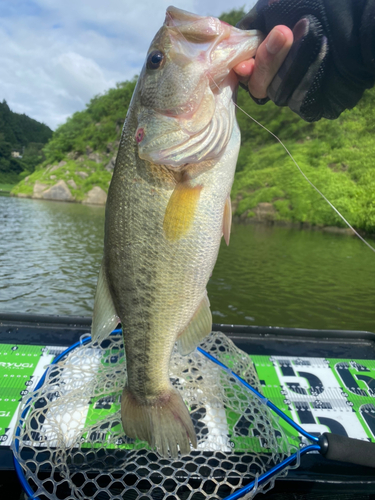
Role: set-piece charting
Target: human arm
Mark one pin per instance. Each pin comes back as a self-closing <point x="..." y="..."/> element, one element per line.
<point x="331" y="61"/>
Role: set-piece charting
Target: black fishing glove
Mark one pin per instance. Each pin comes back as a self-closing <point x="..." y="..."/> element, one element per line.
<point x="331" y="61"/>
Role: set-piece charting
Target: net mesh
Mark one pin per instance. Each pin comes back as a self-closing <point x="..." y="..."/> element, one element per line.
<point x="71" y="445"/>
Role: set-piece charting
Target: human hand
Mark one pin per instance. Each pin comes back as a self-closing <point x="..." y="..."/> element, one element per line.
<point x="329" y="64"/>
<point x="258" y="73"/>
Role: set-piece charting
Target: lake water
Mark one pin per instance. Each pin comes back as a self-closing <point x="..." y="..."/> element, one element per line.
<point x="50" y="256"/>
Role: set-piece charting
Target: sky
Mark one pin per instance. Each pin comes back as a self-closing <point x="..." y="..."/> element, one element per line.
<point x="57" y="54"/>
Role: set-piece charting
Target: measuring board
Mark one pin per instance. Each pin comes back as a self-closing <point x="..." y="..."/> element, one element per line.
<point x="321" y="394"/>
<point x="21" y="368"/>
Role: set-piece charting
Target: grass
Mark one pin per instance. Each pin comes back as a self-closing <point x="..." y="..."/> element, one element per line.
<point x="6" y="187"/>
<point x="337" y="156"/>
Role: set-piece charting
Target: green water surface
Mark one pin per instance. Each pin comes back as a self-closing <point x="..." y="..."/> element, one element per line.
<point x="50" y="255"/>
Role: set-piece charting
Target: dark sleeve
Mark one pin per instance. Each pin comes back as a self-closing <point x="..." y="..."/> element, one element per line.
<point x="331" y="61"/>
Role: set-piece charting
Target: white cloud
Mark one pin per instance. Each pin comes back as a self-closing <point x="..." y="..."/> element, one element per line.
<point x="56" y="55"/>
<point x="79" y="76"/>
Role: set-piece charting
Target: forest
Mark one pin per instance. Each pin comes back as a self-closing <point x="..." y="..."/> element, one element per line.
<point x="24" y="135"/>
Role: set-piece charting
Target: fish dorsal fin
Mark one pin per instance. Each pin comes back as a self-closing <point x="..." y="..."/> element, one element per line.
<point x="198" y="328"/>
<point x="104" y="318"/>
<point x="180" y="211"/>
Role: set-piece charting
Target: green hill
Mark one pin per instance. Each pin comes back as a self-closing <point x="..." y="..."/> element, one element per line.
<point x="82" y="151"/>
<point x="337" y="156"/>
<point x="23" y="135"/>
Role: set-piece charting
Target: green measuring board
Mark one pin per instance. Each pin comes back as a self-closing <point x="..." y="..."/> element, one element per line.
<point x="321" y="394"/>
<point x="21" y="367"/>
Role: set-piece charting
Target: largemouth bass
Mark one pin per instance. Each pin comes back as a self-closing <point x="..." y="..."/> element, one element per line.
<point x="167" y="209"/>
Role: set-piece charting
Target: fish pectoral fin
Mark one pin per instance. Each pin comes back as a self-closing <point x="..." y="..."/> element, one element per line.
<point x="180" y="211"/>
<point x="105" y="317"/>
<point x="227" y="219"/>
<point x="199" y="327"/>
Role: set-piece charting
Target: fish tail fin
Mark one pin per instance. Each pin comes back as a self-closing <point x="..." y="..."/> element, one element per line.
<point x="164" y="424"/>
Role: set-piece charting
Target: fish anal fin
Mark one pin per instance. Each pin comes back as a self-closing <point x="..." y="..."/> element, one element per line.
<point x="180" y="211"/>
<point x="227" y="219"/>
<point x="104" y="318"/>
<point x="198" y="328"/>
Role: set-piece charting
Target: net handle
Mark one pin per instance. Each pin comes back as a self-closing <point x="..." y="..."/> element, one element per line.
<point x="346" y="449"/>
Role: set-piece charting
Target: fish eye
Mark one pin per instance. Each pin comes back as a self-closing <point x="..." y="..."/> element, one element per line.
<point x="155" y="59"/>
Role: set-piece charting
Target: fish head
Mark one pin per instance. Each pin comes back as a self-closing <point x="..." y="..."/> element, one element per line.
<point x="187" y="86"/>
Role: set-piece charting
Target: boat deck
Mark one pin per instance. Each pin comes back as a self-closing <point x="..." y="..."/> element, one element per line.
<point x="337" y="366"/>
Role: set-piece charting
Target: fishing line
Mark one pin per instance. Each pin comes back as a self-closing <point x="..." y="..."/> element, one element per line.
<point x="308" y="180"/>
<point x="285" y="148"/>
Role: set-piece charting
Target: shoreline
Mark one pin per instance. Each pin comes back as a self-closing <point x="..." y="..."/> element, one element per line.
<point x="306" y="226"/>
<point x="302" y="226"/>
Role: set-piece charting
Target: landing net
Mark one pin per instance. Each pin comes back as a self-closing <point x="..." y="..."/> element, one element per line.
<point x="70" y="444"/>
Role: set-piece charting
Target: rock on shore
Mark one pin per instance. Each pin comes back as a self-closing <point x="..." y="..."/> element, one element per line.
<point x="58" y="192"/>
<point x="61" y="192"/>
<point x="96" y="196"/>
<point x="39" y="187"/>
